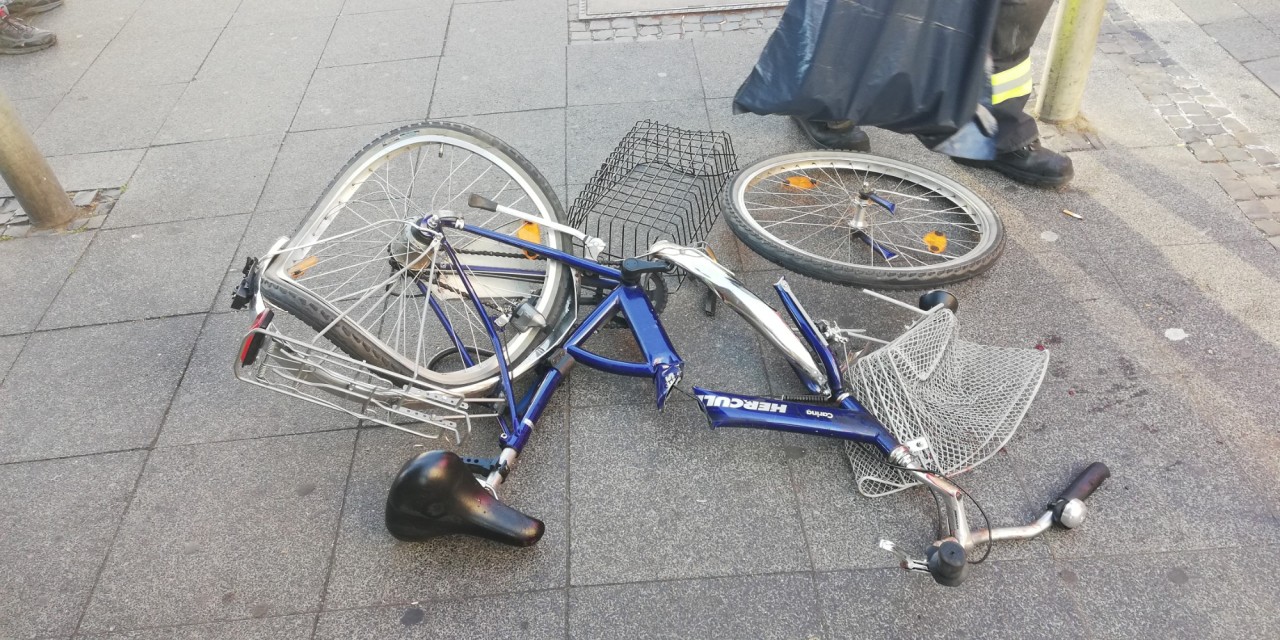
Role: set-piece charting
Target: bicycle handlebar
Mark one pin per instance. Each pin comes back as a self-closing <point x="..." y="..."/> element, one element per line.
<point x="1086" y="483"/>
<point x="946" y="559"/>
<point x="1068" y="510"/>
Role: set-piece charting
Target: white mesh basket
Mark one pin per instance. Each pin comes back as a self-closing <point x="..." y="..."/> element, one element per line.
<point x="964" y="399"/>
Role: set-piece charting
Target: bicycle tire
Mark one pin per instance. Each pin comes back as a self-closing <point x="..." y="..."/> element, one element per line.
<point x="356" y="341"/>
<point x="756" y="236"/>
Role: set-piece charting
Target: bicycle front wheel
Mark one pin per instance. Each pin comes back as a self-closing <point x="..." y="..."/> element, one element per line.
<point x="858" y="219"/>
<point x="357" y="273"/>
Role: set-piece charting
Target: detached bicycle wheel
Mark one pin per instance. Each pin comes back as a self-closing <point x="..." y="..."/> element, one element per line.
<point x="864" y="220"/>
<point x="356" y="272"/>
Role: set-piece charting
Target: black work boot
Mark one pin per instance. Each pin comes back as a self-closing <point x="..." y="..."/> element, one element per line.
<point x="18" y="37"/>
<point x="835" y="135"/>
<point x="1032" y="164"/>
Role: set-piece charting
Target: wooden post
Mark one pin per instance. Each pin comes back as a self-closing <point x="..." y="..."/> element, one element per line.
<point x="24" y="169"/>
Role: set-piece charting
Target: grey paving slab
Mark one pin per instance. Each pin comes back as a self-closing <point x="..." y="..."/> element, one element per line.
<point x="148" y="272"/>
<point x="33" y="111"/>
<point x="233" y="106"/>
<point x="1137" y="201"/>
<point x="143" y="57"/>
<point x="281" y="628"/>
<point x="102" y="170"/>
<point x="537" y="614"/>
<point x="494" y="82"/>
<point x="1268" y="71"/>
<point x="9" y="348"/>
<point x="1120" y="114"/>
<point x="124" y="118"/>
<point x="725" y="63"/>
<point x="272" y="11"/>
<point x="366" y="94"/>
<point x="772" y="606"/>
<point x="511" y="26"/>
<point x="289" y="47"/>
<point x="57" y="519"/>
<point x="369" y="6"/>
<point x="1210" y="12"/>
<point x="55" y="70"/>
<point x="197" y="180"/>
<point x="372" y="568"/>
<point x="1266" y="11"/>
<point x="713" y="504"/>
<point x="755" y="137"/>
<point x="650" y="71"/>
<point x="1245" y="38"/>
<point x="1146" y="431"/>
<point x="1036" y="301"/>
<point x="114" y="383"/>
<point x="182" y="15"/>
<point x="211" y="404"/>
<point x="1239" y="406"/>
<point x="593" y="131"/>
<point x="225" y="531"/>
<point x="1211" y="593"/>
<point x="538" y="135"/>
<point x="1016" y="599"/>
<point x="32" y="270"/>
<point x="309" y="160"/>
<point x="76" y="20"/>
<point x="1216" y="308"/>
<point x="361" y="38"/>
<point x="264" y="228"/>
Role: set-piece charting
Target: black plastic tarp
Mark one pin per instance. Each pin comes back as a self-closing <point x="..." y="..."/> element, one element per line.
<point x="911" y="66"/>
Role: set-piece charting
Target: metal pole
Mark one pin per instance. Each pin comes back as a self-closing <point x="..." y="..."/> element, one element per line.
<point x="28" y="175"/>
<point x="1075" y="36"/>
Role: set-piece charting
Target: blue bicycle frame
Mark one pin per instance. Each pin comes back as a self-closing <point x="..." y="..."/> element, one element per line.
<point x="849" y="421"/>
<point x="435" y="493"/>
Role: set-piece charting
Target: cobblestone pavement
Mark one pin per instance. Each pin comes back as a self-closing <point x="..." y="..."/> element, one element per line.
<point x="144" y="493"/>
<point x="671" y="27"/>
<point x="1249" y="30"/>
<point x="1240" y="161"/>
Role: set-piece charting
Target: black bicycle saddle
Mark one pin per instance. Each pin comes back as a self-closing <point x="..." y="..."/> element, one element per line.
<point x="435" y="494"/>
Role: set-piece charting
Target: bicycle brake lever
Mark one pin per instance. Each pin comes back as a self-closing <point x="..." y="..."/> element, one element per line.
<point x="904" y="561"/>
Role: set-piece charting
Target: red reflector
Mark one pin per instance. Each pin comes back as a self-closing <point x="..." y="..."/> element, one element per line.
<point x="253" y="341"/>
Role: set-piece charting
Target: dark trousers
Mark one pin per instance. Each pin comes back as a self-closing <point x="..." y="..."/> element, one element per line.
<point x="1017" y="26"/>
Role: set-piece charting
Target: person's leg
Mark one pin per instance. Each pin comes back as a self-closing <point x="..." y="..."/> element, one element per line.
<point x="18" y="37"/>
<point x="24" y="8"/>
<point x="835" y="135"/>
<point x="1017" y="26"/>
<point x="1019" y="154"/>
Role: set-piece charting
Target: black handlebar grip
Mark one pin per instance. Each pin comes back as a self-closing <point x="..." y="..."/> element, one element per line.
<point x="1086" y="483"/>
<point x="478" y="201"/>
<point x="947" y="563"/>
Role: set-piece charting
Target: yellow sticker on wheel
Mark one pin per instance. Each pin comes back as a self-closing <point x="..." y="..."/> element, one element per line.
<point x="802" y="182"/>
<point x="936" y="241"/>
<point x="529" y="232"/>
<point x="301" y="267"/>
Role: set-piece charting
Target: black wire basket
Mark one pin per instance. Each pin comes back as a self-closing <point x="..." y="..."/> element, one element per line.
<point x="659" y="183"/>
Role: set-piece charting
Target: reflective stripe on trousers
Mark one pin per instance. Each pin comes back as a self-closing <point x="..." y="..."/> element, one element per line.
<point x="1013" y="82"/>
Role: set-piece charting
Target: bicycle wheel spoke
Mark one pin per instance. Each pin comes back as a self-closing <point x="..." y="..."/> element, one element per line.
<point x="391" y="286"/>
<point x="812" y="205"/>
